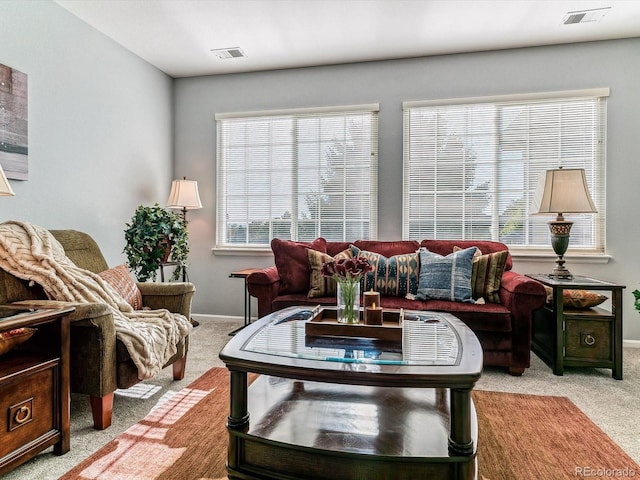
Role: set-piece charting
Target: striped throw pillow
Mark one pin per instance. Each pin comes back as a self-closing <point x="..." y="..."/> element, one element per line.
<point x="319" y="285"/>
<point x="122" y="282"/>
<point x="486" y="274"/>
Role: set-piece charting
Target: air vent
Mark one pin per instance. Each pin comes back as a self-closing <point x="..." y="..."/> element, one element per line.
<point x="585" y="16"/>
<point x="226" y="53"/>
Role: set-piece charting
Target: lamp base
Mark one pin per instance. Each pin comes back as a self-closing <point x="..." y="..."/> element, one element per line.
<point x="561" y="273"/>
<point x="560" y="242"/>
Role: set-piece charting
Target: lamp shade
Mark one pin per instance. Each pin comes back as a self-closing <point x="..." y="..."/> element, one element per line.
<point x="563" y="190"/>
<point x="184" y="195"/>
<point x="5" y="188"/>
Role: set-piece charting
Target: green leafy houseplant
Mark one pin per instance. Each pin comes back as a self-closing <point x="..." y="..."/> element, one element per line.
<point x="150" y="234"/>
<point x="636" y="303"/>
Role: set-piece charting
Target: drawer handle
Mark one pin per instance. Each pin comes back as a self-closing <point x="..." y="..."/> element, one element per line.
<point x="589" y="340"/>
<point x="22" y="414"/>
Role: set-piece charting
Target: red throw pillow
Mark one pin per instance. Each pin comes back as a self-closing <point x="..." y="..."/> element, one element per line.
<point x="122" y="282"/>
<point x="293" y="264"/>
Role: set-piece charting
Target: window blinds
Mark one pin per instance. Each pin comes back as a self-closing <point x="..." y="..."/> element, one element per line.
<point x="471" y="167"/>
<point x="297" y="175"/>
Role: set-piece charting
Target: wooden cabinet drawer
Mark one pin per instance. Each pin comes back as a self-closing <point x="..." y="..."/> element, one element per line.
<point x="27" y="410"/>
<point x="589" y="339"/>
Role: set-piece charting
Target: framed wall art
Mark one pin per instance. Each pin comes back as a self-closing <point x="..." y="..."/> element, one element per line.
<point x="13" y="123"/>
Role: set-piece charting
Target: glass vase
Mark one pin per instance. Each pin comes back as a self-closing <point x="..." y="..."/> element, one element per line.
<point x="348" y="301"/>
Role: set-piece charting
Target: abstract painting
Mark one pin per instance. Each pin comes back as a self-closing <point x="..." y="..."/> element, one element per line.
<point x="13" y="123"/>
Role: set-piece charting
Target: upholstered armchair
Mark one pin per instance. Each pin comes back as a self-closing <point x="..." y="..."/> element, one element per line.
<point x="99" y="362"/>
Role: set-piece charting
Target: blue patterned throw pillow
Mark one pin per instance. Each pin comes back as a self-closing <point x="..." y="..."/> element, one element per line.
<point x="396" y="276"/>
<point x="446" y="278"/>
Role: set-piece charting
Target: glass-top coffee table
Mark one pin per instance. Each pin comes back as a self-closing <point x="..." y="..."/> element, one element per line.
<point x="358" y="403"/>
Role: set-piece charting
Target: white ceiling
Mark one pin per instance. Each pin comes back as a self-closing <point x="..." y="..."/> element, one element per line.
<point x="177" y="36"/>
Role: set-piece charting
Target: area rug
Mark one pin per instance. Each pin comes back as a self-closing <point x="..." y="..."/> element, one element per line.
<point x="520" y="437"/>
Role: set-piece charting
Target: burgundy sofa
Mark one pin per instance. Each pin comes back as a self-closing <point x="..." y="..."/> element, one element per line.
<point x="504" y="329"/>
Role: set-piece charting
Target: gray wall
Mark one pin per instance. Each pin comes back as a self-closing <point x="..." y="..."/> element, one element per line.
<point x="613" y="64"/>
<point x="100" y="123"/>
<point x="100" y="126"/>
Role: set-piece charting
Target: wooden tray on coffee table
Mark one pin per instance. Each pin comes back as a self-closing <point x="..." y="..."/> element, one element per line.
<point x="324" y="323"/>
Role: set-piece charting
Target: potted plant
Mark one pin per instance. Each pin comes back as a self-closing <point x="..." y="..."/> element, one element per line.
<point x="155" y="235"/>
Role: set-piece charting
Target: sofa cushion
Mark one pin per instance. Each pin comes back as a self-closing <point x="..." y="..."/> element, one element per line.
<point x="319" y="285"/>
<point x="120" y="279"/>
<point x="388" y="248"/>
<point x="445" y="247"/>
<point x="293" y="264"/>
<point x="334" y="248"/>
<point x="446" y="278"/>
<point x="489" y="317"/>
<point x="396" y="275"/>
<point x="486" y="274"/>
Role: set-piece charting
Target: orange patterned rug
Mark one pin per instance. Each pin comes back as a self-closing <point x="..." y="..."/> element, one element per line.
<point x="520" y="437"/>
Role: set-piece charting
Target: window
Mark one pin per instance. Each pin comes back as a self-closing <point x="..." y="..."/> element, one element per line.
<point x="298" y="175"/>
<point x="471" y="166"/>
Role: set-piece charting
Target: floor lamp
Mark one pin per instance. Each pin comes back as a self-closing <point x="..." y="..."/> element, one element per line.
<point x="184" y="196"/>
<point x="560" y="191"/>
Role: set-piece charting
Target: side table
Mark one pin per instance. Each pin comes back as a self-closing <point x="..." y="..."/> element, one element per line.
<point x="170" y="264"/>
<point x="247" y="298"/>
<point x="34" y="386"/>
<point x="590" y="337"/>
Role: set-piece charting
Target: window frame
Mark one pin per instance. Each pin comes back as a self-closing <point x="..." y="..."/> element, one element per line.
<point x="598" y="169"/>
<point x="222" y="243"/>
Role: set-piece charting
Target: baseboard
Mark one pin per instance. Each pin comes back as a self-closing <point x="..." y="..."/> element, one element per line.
<point x="209" y="317"/>
<point x="631" y="343"/>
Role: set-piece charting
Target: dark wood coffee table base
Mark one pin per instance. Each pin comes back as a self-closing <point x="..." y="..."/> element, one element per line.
<point x="318" y="431"/>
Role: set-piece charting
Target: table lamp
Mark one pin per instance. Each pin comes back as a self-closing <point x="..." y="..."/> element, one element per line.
<point x="5" y="188"/>
<point x="184" y="195"/>
<point x="560" y="191"/>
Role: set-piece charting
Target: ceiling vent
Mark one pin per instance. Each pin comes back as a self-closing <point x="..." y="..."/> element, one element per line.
<point x="226" y="53"/>
<point x="585" y="16"/>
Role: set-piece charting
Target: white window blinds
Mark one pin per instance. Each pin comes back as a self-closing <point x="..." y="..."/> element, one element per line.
<point x="471" y="166"/>
<point x="297" y="175"/>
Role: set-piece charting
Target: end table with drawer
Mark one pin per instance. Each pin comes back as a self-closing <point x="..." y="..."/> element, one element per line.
<point x="590" y="337"/>
<point x="34" y="385"/>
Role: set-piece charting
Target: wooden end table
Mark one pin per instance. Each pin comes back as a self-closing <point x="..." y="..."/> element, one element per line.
<point x="244" y="274"/>
<point x="34" y="386"/>
<point x="589" y="337"/>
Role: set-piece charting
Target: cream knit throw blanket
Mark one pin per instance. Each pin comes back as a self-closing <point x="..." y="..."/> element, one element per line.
<point x="32" y="253"/>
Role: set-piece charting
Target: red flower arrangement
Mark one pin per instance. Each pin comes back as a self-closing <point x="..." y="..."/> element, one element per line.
<point x="347" y="272"/>
<point x="346" y="269"/>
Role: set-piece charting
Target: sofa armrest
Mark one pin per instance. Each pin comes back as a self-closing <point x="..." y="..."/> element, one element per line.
<point x="173" y="296"/>
<point x="264" y="285"/>
<point x="516" y="283"/>
<point x="522" y="296"/>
